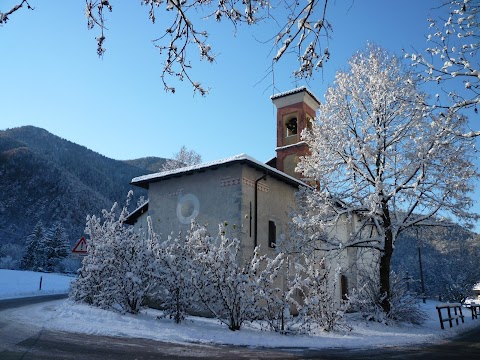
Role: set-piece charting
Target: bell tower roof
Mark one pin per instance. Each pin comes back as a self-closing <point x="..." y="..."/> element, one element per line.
<point x="294" y="96"/>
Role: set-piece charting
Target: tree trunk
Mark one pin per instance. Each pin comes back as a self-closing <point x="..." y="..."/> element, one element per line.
<point x="385" y="271"/>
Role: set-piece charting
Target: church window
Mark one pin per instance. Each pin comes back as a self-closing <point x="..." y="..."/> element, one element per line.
<point x="291" y="125"/>
<point x="344" y="287"/>
<point x="272" y="234"/>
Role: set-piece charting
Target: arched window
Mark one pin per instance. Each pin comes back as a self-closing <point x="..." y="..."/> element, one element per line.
<point x="291" y="125"/>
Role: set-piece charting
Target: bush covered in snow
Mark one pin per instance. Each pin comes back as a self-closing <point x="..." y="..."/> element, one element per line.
<point x="404" y="305"/>
<point x="199" y="272"/>
<point x="115" y="273"/>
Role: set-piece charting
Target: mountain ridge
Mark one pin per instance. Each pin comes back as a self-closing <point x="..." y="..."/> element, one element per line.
<point x="44" y="177"/>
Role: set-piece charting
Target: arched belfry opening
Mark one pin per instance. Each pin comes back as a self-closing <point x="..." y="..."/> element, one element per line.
<point x="295" y="111"/>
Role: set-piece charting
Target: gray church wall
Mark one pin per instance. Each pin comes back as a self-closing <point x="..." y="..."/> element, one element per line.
<point x="275" y="199"/>
<point x="211" y="197"/>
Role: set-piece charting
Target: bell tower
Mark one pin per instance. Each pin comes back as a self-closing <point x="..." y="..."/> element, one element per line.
<point x="295" y="111"/>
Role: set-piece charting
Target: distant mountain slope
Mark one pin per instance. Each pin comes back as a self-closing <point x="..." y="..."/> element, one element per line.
<point x="44" y="177"/>
<point x="449" y="258"/>
<point x="151" y="164"/>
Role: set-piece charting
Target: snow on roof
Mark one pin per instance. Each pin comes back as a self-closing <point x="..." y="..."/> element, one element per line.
<point x="291" y="145"/>
<point x="294" y="91"/>
<point x="135" y="214"/>
<point x="145" y="179"/>
<point x="476" y="287"/>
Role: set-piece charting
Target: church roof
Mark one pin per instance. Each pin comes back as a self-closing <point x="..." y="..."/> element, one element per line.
<point x="295" y="91"/>
<point x="135" y="214"/>
<point x="145" y="180"/>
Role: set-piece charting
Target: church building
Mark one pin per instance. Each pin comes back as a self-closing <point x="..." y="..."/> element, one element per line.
<point x="254" y="199"/>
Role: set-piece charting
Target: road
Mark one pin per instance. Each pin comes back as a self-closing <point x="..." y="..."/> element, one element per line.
<point x="13" y="303"/>
<point x="21" y="342"/>
<point x="466" y="346"/>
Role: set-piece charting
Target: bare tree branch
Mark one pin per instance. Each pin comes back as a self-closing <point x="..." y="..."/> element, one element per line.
<point x="452" y="60"/>
<point x="4" y="16"/>
<point x="302" y="29"/>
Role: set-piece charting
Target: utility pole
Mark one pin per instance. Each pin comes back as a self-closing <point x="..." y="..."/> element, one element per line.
<point x="422" y="280"/>
<point x="421" y="274"/>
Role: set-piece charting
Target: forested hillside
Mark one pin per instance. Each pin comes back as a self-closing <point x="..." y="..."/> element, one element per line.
<point x="449" y="257"/>
<point x="44" y="177"/>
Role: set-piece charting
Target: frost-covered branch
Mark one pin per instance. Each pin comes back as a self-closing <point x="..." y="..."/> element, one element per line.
<point x="299" y="28"/>
<point x="181" y="159"/>
<point x="453" y="59"/>
<point x="307" y="30"/>
<point x="4" y="17"/>
<point x="303" y="29"/>
<point x="94" y="12"/>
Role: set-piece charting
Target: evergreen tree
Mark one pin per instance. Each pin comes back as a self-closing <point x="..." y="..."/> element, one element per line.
<point x="56" y="247"/>
<point x="10" y="256"/>
<point x="33" y="255"/>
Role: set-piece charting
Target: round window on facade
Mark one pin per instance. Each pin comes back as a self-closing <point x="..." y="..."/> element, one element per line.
<point x="188" y="208"/>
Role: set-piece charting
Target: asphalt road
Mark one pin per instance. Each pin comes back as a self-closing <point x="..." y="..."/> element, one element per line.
<point x="466" y="346"/>
<point x="22" y="342"/>
<point x="13" y="303"/>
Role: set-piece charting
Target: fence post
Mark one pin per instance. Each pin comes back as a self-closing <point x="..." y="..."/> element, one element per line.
<point x="40" y="287"/>
<point x="450" y="316"/>
<point x="440" y="317"/>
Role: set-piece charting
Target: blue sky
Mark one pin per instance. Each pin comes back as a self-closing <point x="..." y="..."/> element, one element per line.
<point x="116" y="106"/>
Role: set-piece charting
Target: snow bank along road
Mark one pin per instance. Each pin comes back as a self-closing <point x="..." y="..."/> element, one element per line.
<point x="33" y="340"/>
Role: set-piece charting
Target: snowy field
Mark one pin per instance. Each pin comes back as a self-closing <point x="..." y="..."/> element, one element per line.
<point x="14" y="284"/>
<point x="67" y="316"/>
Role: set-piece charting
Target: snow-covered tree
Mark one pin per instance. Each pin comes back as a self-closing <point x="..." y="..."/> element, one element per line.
<point x="275" y="285"/>
<point x="452" y="59"/>
<point x="300" y="29"/>
<point x="10" y="256"/>
<point x="319" y="309"/>
<point x="45" y="249"/>
<point x="33" y="258"/>
<point x="455" y="273"/>
<point x="182" y="158"/>
<point x="377" y="153"/>
<point x="56" y="248"/>
<point x="303" y="301"/>
<point x="404" y="304"/>
<point x="222" y="280"/>
<point x="116" y="271"/>
<point x="171" y="274"/>
<point x="449" y="259"/>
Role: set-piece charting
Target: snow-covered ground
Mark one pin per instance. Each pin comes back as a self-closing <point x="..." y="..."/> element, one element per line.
<point x="68" y="316"/>
<point x="15" y="284"/>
